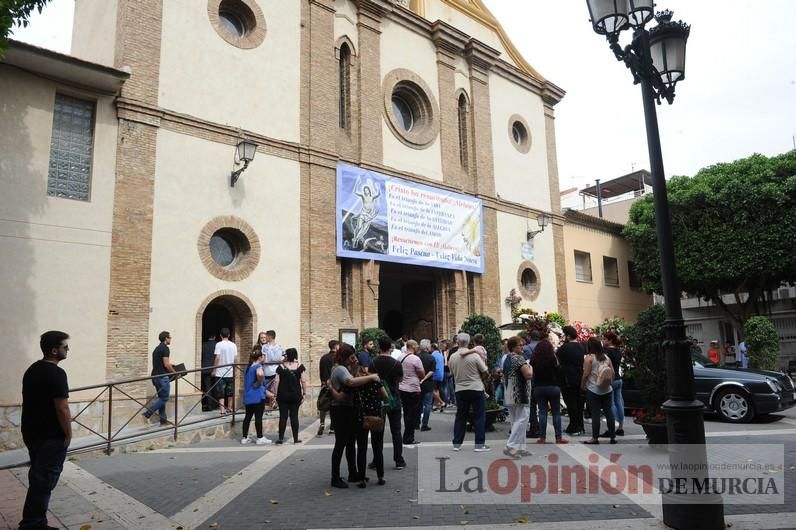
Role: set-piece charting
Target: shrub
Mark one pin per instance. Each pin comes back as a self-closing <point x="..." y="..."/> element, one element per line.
<point x="615" y="324"/>
<point x="370" y="334"/>
<point x="762" y="343"/>
<point x="485" y="326"/>
<point x="645" y="357"/>
<point x="554" y="316"/>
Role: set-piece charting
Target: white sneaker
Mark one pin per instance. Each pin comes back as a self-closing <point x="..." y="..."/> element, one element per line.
<point x="246" y="441"/>
<point x="457" y="447"/>
<point x="263" y="441"/>
<point x="482" y="448"/>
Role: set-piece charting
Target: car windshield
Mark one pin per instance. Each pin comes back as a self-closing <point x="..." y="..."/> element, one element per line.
<point x="701" y="359"/>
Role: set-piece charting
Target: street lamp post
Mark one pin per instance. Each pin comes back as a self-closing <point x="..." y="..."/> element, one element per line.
<point x="656" y="58"/>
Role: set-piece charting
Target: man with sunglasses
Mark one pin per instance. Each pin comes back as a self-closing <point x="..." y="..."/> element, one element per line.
<point x="46" y="426"/>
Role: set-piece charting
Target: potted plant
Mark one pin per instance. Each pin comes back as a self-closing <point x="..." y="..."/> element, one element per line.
<point x="647" y="370"/>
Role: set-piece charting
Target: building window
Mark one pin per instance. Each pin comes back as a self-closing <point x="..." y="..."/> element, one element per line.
<point x="344" y="81"/>
<point x="229" y="248"/>
<point x="528" y="281"/>
<point x="71" y="148"/>
<point x="611" y="271"/>
<point x="519" y="133"/>
<point x="410" y="109"/>
<point x="346" y="281"/>
<point x="632" y="276"/>
<point x="239" y="22"/>
<point x="582" y="266"/>
<point x="464" y="152"/>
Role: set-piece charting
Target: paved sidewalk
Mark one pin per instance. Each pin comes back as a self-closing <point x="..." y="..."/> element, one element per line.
<point x="222" y="484"/>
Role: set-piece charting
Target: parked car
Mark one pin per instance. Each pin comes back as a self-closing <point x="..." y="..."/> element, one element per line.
<point x="737" y="395"/>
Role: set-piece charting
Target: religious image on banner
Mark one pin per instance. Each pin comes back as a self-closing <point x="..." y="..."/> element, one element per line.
<point x="391" y="219"/>
<point x="364" y="216"/>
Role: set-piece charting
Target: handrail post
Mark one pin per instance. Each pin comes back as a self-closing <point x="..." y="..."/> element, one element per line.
<point x="176" y="404"/>
<point x="110" y="418"/>
<point x="234" y="390"/>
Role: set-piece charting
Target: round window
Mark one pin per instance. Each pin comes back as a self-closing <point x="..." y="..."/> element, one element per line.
<point x="239" y="22"/>
<point x="222" y="250"/>
<point x="529" y="280"/>
<point x="232" y="23"/>
<point x="519" y="133"/>
<point x="403" y="113"/>
<point x="409" y="109"/>
<point x="227" y="245"/>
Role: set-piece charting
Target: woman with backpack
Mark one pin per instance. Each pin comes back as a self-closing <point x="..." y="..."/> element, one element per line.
<point x="598" y="377"/>
<point x="290" y="387"/>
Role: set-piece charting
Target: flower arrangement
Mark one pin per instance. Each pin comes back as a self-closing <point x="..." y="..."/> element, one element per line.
<point x="584" y="331"/>
<point x="648" y="417"/>
<point x="615" y="324"/>
<point x="522" y="313"/>
<point x="554" y="316"/>
<point x="513" y="301"/>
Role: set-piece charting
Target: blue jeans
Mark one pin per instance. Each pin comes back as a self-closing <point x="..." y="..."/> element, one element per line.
<point x="465" y="399"/>
<point x="428" y="400"/>
<point x="551" y="395"/>
<point x="618" y="402"/>
<point x="46" y="463"/>
<point x="451" y="389"/>
<point x="163" y="387"/>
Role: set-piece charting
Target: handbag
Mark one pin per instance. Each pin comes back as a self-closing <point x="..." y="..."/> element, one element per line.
<point x="392" y="402"/>
<point x="373" y="423"/>
<point x="324" y="399"/>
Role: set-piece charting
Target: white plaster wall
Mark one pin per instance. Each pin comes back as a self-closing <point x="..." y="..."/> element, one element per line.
<point x="54" y="252"/>
<point x="512" y="231"/>
<point x="204" y="76"/>
<point x="94" y="31"/>
<point x="266" y="197"/>
<point x="461" y="77"/>
<point x="345" y="22"/>
<point x="402" y="48"/>
<point x="519" y="177"/>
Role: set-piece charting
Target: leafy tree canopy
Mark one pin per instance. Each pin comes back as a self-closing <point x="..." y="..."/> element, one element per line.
<point x="732" y="226"/>
<point x="16" y="12"/>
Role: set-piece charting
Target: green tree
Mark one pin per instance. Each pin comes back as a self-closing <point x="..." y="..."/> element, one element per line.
<point x="762" y="343"/>
<point x="732" y="226"/>
<point x="16" y="12"/>
<point x="645" y="358"/>
<point x="370" y="334"/>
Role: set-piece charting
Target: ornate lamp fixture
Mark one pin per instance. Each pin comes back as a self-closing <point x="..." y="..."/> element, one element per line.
<point x="244" y="152"/>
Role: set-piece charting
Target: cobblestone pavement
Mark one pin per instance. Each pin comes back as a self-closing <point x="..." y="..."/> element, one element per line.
<point x="222" y="484"/>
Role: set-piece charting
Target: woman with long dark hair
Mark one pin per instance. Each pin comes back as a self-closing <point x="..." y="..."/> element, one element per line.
<point x="517" y="374"/>
<point x="290" y="387"/>
<point x="611" y="343"/>
<point x="368" y="400"/>
<point x="597" y="396"/>
<point x="546" y="390"/>
<point x="343" y="412"/>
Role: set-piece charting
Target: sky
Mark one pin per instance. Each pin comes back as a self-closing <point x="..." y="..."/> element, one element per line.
<point x="738" y="96"/>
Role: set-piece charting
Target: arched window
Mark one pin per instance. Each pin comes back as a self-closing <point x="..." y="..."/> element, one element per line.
<point x="345" y="86"/>
<point x="464" y="154"/>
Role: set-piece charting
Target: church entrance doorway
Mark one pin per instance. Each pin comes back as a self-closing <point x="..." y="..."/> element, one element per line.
<point x="408" y="301"/>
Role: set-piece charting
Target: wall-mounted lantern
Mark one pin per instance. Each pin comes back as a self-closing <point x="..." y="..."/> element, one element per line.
<point x="244" y="152"/>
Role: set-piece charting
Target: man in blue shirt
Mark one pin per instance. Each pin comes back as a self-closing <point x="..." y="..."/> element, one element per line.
<point x="364" y="355"/>
<point x="440" y="391"/>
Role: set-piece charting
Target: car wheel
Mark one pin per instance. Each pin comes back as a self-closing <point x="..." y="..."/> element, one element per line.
<point x="734" y="406"/>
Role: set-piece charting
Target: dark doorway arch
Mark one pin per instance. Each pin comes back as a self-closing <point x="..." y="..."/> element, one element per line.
<point x="226" y="309"/>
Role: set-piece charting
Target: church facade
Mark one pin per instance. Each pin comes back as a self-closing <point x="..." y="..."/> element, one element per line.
<point x="423" y="98"/>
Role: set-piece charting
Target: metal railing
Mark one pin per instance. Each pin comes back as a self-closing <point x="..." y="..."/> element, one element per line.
<point x="112" y="389"/>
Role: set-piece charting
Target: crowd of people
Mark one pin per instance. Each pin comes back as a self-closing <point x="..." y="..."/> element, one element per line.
<point x="399" y="385"/>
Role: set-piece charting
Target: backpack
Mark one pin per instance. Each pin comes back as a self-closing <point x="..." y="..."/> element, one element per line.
<point x="392" y="402"/>
<point x="605" y="373"/>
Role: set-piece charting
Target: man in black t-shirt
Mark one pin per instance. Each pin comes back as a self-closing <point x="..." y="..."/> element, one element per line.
<point x="161" y="367"/>
<point x="391" y="372"/>
<point x="46" y="426"/>
<point x="324" y="394"/>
